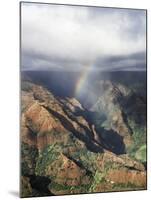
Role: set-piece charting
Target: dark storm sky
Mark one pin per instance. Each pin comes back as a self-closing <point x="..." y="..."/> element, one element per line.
<point x="57" y="37"/>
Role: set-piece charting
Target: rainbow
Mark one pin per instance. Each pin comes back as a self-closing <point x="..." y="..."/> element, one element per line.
<point x="82" y="80"/>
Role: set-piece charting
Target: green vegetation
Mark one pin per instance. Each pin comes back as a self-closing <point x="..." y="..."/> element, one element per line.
<point x="138" y="148"/>
<point x="141" y="153"/>
<point x="99" y="177"/>
<point x="70" y="189"/>
<point x="87" y="158"/>
<point x="46" y="157"/>
<point x="29" y="156"/>
<point x="125" y="186"/>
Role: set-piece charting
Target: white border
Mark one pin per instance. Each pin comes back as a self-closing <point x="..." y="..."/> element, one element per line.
<point x="9" y="98"/>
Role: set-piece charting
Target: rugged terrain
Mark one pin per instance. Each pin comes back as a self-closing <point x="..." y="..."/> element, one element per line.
<point x="70" y="148"/>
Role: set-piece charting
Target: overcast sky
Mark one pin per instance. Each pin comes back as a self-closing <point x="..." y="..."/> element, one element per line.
<point x="59" y="37"/>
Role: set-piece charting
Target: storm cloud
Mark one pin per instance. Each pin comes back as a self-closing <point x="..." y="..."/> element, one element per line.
<point x="62" y="37"/>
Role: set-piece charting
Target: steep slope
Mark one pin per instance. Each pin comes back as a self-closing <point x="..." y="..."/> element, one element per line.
<point x="109" y="103"/>
<point x="64" y="151"/>
<point x="124" y="110"/>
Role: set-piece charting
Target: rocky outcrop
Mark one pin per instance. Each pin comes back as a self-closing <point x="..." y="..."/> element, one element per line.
<point x="109" y="103"/>
<point x="60" y="143"/>
<point x="69" y="173"/>
<point x="122" y="160"/>
<point x="124" y="176"/>
<point x="47" y="114"/>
